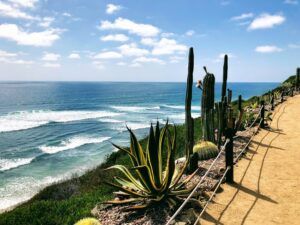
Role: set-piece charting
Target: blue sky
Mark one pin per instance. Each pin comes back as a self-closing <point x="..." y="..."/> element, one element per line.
<point x="147" y="40"/>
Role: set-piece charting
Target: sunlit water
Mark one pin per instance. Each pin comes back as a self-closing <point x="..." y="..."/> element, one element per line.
<point x="49" y="131"/>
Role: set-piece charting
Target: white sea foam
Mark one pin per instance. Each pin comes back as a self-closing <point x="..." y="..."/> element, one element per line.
<point x="7" y="164"/>
<point x="133" y="126"/>
<point x="21" y="189"/>
<point x="29" y="119"/>
<point x="181" y="107"/>
<point x="72" y="143"/>
<point x="109" y="120"/>
<point x="134" y="108"/>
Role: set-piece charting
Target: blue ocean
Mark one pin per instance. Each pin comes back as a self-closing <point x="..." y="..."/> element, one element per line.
<point x="50" y="131"/>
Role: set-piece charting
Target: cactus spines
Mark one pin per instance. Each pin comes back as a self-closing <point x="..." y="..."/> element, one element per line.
<point x="225" y="75"/>
<point x="207" y="107"/>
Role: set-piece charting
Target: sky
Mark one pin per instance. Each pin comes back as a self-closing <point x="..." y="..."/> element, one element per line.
<point x="148" y="40"/>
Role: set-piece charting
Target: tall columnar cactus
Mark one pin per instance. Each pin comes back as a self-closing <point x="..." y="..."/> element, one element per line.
<point x="220" y="117"/>
<point x="189" y="122"/>
<point x="225" y="75"/>
<point x="207" y="106"/>
<point x="229" y="98"/>
<point x="298" y="79"/>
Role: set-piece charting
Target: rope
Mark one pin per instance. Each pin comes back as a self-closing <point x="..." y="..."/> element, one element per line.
<point x="213" y="194"/>
<point x="252" y="124"/>
<point x="198" y="185"/>
<point x="239" y="155"/>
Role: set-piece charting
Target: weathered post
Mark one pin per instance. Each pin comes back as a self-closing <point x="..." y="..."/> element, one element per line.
<point x="262" y="114"/>
<point x="272" y="101"/>
<point x="240" y="103"/>
<point x="298" y="79"/>
<point x="282" y="96"/>
<point x="229" y="150"/>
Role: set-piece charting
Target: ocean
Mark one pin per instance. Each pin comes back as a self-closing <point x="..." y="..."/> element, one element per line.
<point x="50" y="131"/>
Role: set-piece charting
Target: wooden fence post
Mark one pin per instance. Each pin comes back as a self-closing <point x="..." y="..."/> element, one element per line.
<point x="262" y="114"/>
<point x="298" y="79"/>
<point x="229" y="151"/>
<point x="272" y="101"/>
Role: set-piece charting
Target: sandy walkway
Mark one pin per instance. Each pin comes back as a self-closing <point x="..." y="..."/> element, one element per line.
<point x="267" y="189"/>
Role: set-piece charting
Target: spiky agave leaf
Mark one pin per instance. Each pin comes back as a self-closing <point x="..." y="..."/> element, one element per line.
<point x="151" y="184"/>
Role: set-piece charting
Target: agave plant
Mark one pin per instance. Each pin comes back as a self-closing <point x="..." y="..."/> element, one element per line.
<point x="146" y="182"/>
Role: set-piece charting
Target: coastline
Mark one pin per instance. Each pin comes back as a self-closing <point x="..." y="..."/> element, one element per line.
<point x="80" y="184"/>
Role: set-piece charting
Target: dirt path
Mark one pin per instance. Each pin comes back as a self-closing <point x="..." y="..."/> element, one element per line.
<point x="267" y="188"/>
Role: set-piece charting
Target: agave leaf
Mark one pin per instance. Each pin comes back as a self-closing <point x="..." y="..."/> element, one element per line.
<point x="124" y="201"/>
<point x="138" y="207"/>
<point x="152" y="153"/>
<point x="128" y="191"/>
<point x="136" y="148"/>
<point x="126" y="183"/>
<point x="147" y="178"/>
<point x="170" y="167"/>
<point x="132" y="157"/>
<point x="160" y="148"/>
<point x="129" y="176"/>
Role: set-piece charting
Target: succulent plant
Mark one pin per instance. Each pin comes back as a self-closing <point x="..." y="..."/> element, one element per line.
<point x="207" y="107"/>
<point x="206" y="150"/>
<point x="88" y="221"/>
<point x="189" y="121"/>
<point x="146" y="182"/>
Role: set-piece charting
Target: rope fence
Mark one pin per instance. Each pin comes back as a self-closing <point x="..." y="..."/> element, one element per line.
<point x="227" y="147"/>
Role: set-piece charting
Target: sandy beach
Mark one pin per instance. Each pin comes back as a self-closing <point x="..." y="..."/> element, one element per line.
<point x="266" y="188"/>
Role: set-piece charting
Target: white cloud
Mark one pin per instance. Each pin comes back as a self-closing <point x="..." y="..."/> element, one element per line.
<point x="175" y="59"/>
<point x="10" y="57"/>
<point x="24" y="3"/>
<point x="132" y="50"/>
<point x="242" y="17"/>
<point x="168" y="46"/>
<point x="294" y="46"/>
<point x="51" y="57"/>
<point x="7" y="10"/>
<point x="46" y="22"/>
<point x="74" y="56"/>
<point x="267" y="49"/>
<point x="168" y="34"/>
<point x="111" y="8"/>
<point x="265" y="21"/>
<point x="115" y="37"/>
<point x="6" y="54"/>
<point x="190" y="33"/>
<point x="52" y="65"/>
<point x="291" y="2"/>
<point x="108" y="55"/>
<point x="144" y="30"/>
<point x="99" y="65"/>
<point x="39" y="39"/>
<point x="66" y="14"/>
<point x="148" y="41"/>
<point x="148" y="60"/>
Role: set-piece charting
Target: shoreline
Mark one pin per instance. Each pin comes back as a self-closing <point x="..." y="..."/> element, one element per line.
<point x="89" y="174"/>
